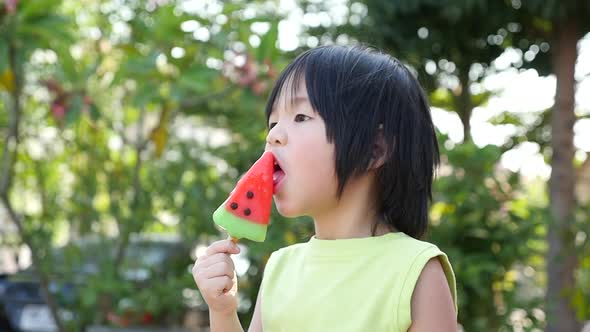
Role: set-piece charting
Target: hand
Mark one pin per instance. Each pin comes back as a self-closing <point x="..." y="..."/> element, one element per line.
<point x="215" y="276"/>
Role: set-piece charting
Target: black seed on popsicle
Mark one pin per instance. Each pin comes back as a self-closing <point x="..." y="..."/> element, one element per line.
<point x="247" y="212"/>
<point x="249" y="194"/>
<point x="234" y="205"/>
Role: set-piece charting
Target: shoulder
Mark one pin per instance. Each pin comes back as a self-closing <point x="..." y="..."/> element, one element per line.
<point x="417" y="253"/>
<point x="428" y="262"/>
<point x="432" y="306"/>
<point x="427" y="280"/>
<point x="280" y="256"/>
<point x="412" y="253"/>
<point x="410" y="242"/>
<point x="281" y="264"/>
<point x="287" y="252"/>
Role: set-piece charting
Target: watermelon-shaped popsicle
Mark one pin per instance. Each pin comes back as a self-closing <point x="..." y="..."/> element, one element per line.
<point x="246" y="212"/>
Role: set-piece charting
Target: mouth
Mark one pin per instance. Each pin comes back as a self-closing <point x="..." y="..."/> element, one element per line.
<point x="277" y="176"/>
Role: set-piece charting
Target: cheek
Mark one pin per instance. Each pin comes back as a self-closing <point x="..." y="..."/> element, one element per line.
<point x="312" y="183"/>
<point x="320" y="169"/>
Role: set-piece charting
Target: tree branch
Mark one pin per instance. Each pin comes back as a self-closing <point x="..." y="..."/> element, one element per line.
<point x="140" y="145"/>
<point x="7" y="172"/>
<point x="583" y="78"/>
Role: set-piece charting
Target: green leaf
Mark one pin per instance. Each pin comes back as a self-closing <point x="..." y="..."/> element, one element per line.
<point x="442" y="98"/>
<point x="74" y="110"/>
<point x="68" y="64"/>
<point x="145" y="94"/>
<point x="198" y="78"/>
<point x="44" y="30"/>
<point x="31" y="9"/>
<point x="506" y="118"/>
<point x="481" y="99"/>
<point x="267" y="49"/>
<point x="94" y="112"/>
<point x="3" y="56"/>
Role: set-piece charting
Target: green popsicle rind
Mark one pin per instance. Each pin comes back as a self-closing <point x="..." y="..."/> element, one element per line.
<point x="240" y="228"/>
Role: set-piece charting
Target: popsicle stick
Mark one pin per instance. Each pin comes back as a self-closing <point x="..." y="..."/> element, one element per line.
<point x="233" y="239"/>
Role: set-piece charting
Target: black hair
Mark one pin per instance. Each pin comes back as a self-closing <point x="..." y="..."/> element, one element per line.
<point x="364" y="95"/>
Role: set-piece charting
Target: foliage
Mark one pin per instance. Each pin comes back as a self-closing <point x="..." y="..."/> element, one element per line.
<point x="480" y="217"/>
<point x="132" y="113"/>
<point x="449" y="61"/>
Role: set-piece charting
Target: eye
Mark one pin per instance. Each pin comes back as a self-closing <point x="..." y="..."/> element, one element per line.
<point x="301" y="117"/>
<point x="271" y="125"/>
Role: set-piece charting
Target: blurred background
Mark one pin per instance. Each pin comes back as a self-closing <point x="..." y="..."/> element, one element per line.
<point x="125" y="123"/>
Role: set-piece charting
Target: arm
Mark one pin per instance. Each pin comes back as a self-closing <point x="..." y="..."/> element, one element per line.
<point x="214" y="274"/>
<point x="221" y="322"/>
<point x="232" y="323"/>
<point x="432" y="303"/>
<point x="256" y="323"/>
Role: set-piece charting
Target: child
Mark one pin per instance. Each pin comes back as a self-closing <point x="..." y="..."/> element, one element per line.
<point x="351" y="131"/>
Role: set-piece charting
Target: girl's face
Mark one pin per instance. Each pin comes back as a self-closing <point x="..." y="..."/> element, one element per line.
<point x="307" y="182"/>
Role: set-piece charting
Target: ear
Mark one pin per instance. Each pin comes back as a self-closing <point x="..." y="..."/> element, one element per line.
<point x="379" y="151"/>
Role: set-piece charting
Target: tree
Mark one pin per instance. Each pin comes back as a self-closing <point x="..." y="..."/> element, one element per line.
<point x="450" y="44"/>
<point x="562" y="24"/>
<point x="22" y="30"/>
<point x="133" y="101"/>
<point x="480" y="218"/>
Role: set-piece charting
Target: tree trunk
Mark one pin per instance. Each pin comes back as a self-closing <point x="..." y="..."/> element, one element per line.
<point x="463" y="104"/>
<point x="561" y="256"/>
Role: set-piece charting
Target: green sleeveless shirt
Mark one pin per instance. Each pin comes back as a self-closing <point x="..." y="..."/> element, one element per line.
<point x="359" y="284"/>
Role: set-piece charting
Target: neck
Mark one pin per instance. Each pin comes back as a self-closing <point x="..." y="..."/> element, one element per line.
<point x="353" y="216"/>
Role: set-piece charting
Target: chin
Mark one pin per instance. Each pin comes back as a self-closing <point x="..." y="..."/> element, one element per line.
<point x="287" y="210"/>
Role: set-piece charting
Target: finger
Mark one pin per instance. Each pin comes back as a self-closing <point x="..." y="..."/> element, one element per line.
<point x="222" y="284"/>
<point x="216" y="258"/>
<point x="219" y="269"/>
<point x="226" y="246"/>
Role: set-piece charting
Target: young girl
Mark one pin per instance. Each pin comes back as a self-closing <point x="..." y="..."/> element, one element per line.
<point x="351" y="131"/>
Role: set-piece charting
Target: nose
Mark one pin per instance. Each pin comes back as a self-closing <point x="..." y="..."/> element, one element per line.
<point x="276" y="136"/>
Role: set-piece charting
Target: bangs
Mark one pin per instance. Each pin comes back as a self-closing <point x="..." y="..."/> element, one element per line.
<point x="288" y="84"/>
<point x="328" y="88"/>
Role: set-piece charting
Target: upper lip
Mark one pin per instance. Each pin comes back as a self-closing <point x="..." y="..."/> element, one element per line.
<point x="278" y="162"/>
